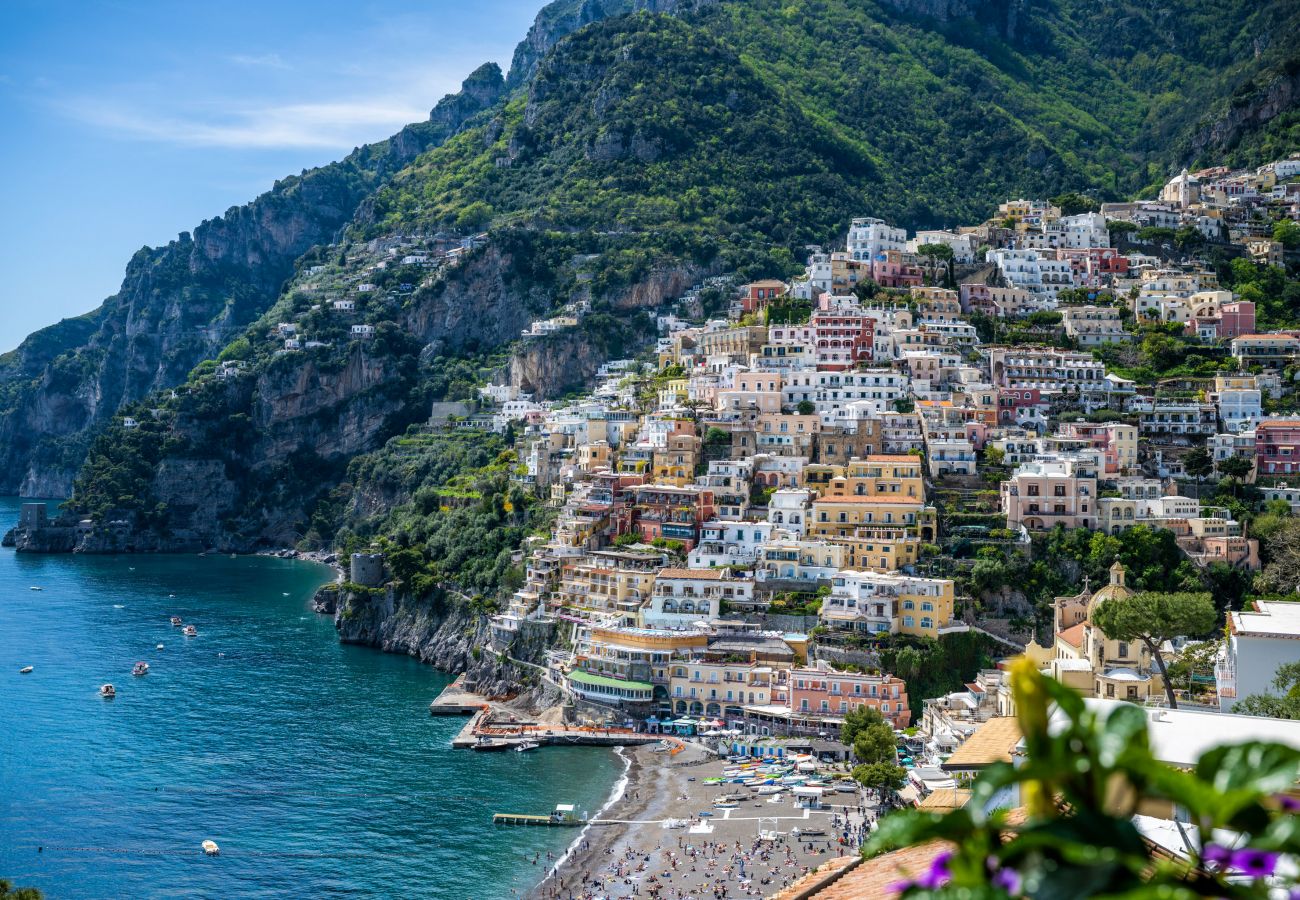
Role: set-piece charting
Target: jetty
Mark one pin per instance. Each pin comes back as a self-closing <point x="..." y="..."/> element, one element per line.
<point x="563" y="817"/>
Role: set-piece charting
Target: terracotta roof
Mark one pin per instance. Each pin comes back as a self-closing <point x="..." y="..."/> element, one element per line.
<point x="1072" y="635"/>
<point x="708" y="574"/>
<point x="945" y="799"/>
<point x="877" y="878"/>
<point x="992" y="742"/>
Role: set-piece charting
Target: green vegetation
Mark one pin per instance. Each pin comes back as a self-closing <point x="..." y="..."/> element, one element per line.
<point x="9" y="892"/>
<point x="1153" y="619"/>
<point x="1283" y="703"/>
<point x="1080" y="783"/>
<point x="875" y="749"/>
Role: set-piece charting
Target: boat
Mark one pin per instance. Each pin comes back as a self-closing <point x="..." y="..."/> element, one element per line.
<point x="210" y="848"/>
<point x="526" y="746"/>
<point x="176" y="621"/>
<point x="25" y="670"/>
<point x="159" y="647"/>
<point x="490" y="745"/>
<point x="107" y="691"/>
<point x="191" y="631"/>
<point x="140" y="668"/>
<point x="35" y="588"/>
<point x="771" y="789"/>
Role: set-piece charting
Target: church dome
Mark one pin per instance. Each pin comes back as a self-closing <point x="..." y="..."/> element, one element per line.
<point x="1116" y="590"/>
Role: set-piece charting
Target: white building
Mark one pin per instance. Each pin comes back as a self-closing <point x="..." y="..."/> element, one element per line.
<point x="1259" y="641"/>
<point x="870" y="238"/>
<point x="682" y="597"/>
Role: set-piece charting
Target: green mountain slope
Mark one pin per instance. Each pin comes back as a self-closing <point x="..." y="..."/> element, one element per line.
<point x="645" y="149"/>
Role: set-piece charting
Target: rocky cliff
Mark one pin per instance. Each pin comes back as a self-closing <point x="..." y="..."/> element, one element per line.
<point x="180" y="304"/>
<point x="442" y="631"/>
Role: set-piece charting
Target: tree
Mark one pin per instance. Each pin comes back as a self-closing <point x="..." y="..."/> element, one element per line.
<point x="1285" y="704"/>
<point x="1287" y="233"/>
<point x="994" y="456"/>
<point x="806" y="408"/>
<point x="9" y="892"/>
<point x="1198" y="463"/>
<point x="1282" y="550"/>
<point x="882" y="777"/>
<point x="870" y="736"/>
<point x="934" y="255"/>
<point x="1153" y="619"/>
<point x="1073" y="203"/>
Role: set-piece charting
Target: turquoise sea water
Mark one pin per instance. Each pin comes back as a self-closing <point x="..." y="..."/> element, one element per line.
<point x="316" y="767"/>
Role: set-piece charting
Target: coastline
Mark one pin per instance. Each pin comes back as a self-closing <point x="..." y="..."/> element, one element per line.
<point x="631" y="853"/>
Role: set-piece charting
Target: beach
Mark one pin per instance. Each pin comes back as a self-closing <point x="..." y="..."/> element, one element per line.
<point x="630" y="852"/>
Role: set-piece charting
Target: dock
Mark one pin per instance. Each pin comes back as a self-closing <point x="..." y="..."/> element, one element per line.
<point x="520" y="819"/>
<point x="456" y="701"/>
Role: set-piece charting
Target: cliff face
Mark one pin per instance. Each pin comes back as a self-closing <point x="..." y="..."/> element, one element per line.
<point x="442" y="632"/>
<point x="180" y="304"/>
<point x="1249" y="113"/>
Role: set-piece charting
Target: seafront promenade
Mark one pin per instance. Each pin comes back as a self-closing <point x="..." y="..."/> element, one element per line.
<point x="493" y="720"/>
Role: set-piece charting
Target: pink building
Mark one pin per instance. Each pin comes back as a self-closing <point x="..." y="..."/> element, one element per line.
<point x="1277" y="446"/>
<point x="842" y="339"/>
<point x="830" y="694"/>
<point x="896" y="269"/>
<point x="1236" y="318"/>
<point x="1012" y="400"/>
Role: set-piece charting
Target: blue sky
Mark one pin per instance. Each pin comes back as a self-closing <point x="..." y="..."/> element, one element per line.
<point x="128" y="121"/>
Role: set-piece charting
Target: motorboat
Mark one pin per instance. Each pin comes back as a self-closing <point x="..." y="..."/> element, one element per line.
<point x="190" y="631"/>
<point x="210" y="848"/>
<point x="36" y="588"/>
<point x="526" y="746"/>
<point x="176" y="621"/>
<point x="25" y="670"/>
<point x="107" y="691"/>
<point x="490" y="745"/>
<point x="159" y="647"/>
<point x="140" y="668"/>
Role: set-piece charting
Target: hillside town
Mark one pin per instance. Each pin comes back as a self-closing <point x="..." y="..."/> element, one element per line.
<point x="797" y="478"/>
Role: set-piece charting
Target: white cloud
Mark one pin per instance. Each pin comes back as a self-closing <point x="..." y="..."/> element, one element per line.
<point x="334" y="125"/>
<point x="262" y="61"/>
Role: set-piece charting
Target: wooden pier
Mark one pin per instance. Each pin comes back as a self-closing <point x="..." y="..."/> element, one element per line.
<point x="520" y="819"/>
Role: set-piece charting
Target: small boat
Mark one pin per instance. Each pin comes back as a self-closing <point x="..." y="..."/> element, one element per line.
<point x="140" y="668"/>
<point x="35" y="588"/>
<point x="25" y="670"/>
<point x="107" y="691"/>
<point x="771" y="789"/>
<point x="159" y="647"/>
<point x="176" y="621"/>
<point x="489" y="745"/>
<point x="211" y="849"/>
<point x="191" y="631"/>
<point x="526" y="746"/>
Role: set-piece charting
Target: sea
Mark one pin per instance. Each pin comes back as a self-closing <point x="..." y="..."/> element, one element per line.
<point x="315" y="766"/>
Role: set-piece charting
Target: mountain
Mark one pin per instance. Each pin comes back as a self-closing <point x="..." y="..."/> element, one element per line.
<point x="634" y="145"/>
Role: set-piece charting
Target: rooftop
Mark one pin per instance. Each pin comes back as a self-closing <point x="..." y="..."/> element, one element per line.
<point x="1278" y="619"/>
<point x="992" y="742"/>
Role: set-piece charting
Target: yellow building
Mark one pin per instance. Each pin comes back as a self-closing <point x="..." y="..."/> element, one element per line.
<point x="608" y="581"/>
<point x="880" y="549"/>
<point x="1088" y="661"/>
<point x="840" y="516"/>
<point x="675" y="464"/>
<point x="885" y="475"/>
<point x="594" y="456"/>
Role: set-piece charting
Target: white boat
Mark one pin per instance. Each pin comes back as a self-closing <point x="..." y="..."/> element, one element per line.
<point x="35" y="588"/>
<point x="107" y="691"/>
<point x="140" y="668"/>
<point x="159" y="647"/>
<point x="211" y="848"/>
<point x="771" y="789"/>
<point x="191" y="631"/>
<point x="25" y="670"/>
<point x="526" y="746"/>
<point x="176" y="621"/>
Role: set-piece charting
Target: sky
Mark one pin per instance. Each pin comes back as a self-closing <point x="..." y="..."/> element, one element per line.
<point x="129" y="121"/>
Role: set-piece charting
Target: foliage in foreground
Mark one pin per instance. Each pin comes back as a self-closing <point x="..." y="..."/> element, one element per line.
<point x="1081" y="782"/>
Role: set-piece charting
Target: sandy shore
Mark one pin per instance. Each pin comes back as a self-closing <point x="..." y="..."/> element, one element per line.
<point x="630" y="853"/>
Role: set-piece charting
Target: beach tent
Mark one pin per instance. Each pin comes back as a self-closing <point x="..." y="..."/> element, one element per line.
<point x="684" y="726"/>
<point x="808" y="797"/>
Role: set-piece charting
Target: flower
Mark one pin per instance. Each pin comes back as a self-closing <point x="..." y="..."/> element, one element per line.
<point x="1216" y="854"/>
<point x="1287" y="803"/>
<point x="1255" y="863"/>
<point x="1008" y="880"/>
<point x="940" y="872"/>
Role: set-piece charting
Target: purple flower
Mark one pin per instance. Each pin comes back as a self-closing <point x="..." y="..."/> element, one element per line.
<point x="902" y="887"/>
<point x="1008" y="880"/>
<point x="1255" y="863"/>
<point x="1216" y="854"/>
<point x="1288" y="803"/>
<point x="940" y="872"/>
